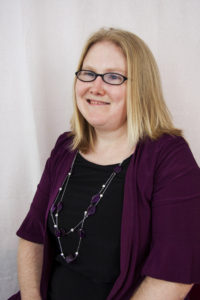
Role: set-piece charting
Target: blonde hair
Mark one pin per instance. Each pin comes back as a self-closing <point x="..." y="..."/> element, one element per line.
<point x="147" y="113"/>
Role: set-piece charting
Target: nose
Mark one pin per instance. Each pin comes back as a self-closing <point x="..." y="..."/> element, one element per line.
<point x="97" y="86"/>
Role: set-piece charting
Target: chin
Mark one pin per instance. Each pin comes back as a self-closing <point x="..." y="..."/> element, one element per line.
<point x="96" y="123"/>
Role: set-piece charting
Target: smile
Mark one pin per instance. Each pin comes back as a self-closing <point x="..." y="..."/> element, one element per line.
<point x="96" y="102"/>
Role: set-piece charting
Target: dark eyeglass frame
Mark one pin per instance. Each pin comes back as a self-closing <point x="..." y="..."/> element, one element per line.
<point x="124" y="78"/>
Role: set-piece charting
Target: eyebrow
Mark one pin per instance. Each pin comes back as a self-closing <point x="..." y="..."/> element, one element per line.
<point x="108" y="70"/>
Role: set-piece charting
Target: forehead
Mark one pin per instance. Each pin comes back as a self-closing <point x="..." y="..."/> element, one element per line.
<point x="105" y="56"/>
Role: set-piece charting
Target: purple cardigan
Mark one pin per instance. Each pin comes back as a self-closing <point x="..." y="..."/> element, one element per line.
<point x="160" y="231"/>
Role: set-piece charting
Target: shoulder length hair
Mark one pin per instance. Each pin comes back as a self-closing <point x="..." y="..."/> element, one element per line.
<point x="147" y="113"/>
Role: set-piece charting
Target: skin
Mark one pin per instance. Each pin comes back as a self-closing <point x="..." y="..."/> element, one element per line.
<point x="30" y="258"/>
<point x="103" y="105"/>
<point x="156" y="289"/>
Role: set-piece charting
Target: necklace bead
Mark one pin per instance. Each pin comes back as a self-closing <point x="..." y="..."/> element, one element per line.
<point x="58" y="206"/>
<point x="70" y="258"/>
<point x="95" y="199"/>
<point x="58" y="233"/>
<point x="91" y="210"/>
<point x="81" y="233"/>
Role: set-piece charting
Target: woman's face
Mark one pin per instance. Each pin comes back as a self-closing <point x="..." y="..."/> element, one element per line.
<point x="101" y="104"/>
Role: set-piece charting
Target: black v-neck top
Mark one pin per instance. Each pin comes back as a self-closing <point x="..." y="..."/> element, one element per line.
<point x="93" y="273"/>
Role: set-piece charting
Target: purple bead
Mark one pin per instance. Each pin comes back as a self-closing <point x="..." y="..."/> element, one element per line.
<point x="82" y="233"/>
<point x="57" y="233"/>
<point x="91" y="210"/>
<point x="95" y="199"/>
<point x="59" y="206"/>
<point x="117" y="169"/>
<point x="69" y="258"/>
<point x="53" y="208"/>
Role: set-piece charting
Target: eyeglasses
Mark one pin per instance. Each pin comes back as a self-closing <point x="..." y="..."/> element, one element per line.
<point x="110" y="78"/>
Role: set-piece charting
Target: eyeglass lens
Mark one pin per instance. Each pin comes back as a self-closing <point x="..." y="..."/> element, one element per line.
<point x="111" y="78"/>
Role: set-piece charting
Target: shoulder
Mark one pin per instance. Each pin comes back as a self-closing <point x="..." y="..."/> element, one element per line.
<point x="62" y="147"/>
<point x="64" y="140"/>
<point x="175" y="148"/>
<point x="63" y="143"/>
<point x="167" y="151"/>
<point x="61" y="156"/>
<point x="166" y="144"/>
<point x="163" y="142"/>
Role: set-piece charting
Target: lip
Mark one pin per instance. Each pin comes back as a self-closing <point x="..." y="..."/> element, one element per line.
<point x="97" y="102"/>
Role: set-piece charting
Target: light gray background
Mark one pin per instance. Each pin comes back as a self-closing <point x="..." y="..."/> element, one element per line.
<point x="40" y="43"/>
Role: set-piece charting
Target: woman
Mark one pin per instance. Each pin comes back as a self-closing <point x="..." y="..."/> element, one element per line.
<point x="116" y="213"/>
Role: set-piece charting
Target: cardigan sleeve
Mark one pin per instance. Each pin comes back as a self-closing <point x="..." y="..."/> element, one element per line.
<point x="175" y="244"/>
<point x="33" y="226"/>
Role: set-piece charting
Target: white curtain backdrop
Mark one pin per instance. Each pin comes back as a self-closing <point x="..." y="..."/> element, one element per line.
<point x="40" y="43"/>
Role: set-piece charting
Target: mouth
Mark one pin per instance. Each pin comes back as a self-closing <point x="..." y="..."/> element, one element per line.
<point x="97" y="102"/>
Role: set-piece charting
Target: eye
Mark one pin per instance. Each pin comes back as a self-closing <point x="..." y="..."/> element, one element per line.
<point x="87" y="73"/>
<point x="113" y="76"/>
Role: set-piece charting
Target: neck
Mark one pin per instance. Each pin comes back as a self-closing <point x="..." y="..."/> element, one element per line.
<point x="110" y="147"/>
<point x="111" y="138"/>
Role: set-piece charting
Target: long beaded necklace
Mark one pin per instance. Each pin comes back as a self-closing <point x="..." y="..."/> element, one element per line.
<point x="90" y="210"/>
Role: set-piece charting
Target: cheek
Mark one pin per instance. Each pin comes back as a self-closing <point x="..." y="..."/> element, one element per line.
<point x="77" y="90"/>
<point x="120" y="96"/>
<point x="122" y="101"/>
<point x="79" y="93"/>
<point x="80" y="89"/>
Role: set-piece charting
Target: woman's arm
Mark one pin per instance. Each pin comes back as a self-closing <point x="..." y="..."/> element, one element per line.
<point x="156" y="289"/>
<point x="30" y="259"/>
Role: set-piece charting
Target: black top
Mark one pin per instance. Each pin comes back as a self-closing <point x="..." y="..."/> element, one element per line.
<point x="93" y="273"/>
